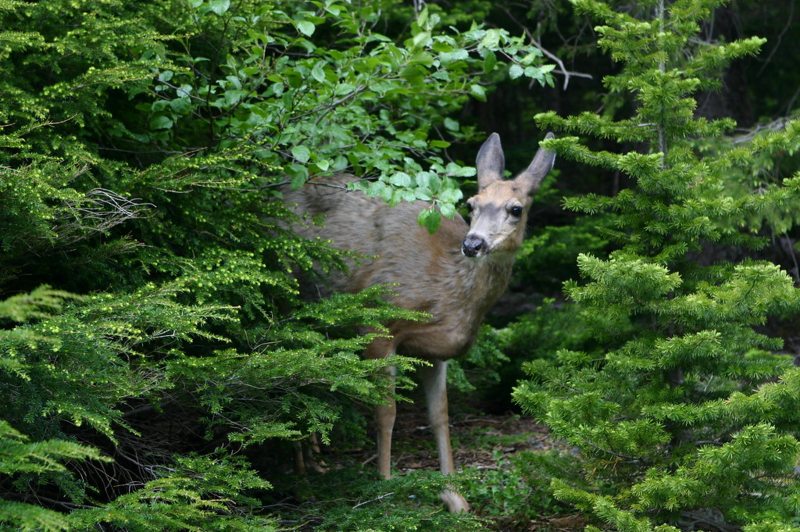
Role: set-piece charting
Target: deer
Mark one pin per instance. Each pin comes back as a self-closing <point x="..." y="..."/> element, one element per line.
<point x="455" y="274"/>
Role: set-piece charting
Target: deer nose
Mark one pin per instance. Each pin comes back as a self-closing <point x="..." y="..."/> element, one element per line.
<point x="472" y="245"/>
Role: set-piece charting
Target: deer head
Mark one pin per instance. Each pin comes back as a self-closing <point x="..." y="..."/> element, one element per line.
<point x="500" y="208"/>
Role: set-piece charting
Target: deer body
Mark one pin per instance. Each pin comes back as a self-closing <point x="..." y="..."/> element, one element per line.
<point x="455" y="274"/>
<point x="429" y="271"/>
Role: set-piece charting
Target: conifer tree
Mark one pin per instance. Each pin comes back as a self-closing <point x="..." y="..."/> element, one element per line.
<point x="680" y="403"/>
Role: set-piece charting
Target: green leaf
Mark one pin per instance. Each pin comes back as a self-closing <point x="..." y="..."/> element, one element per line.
<point x="515" y="71"/>
<point x="400" y="179"/>
<point x="429" y="219"/>
<point x="491" y="40"/>
<point x="423" y="194"/>
<point x="318" y="72"/>
<point x="448" y="210"/>
<point x="219" y="6"/>
<point x="301" y="153"/>
<point x="456" y="170"/>
<point x="305" y="27"/>
<point x="424" y="179"/>
<point x="160" y="122"/>
<point x="421" y="39"/>
<point x="489" y="62"/>
<point x="422" y="18"/>
<point x="380" y="189"/>
<point x="181" y="106"/>
<point x="298" y="174"/>
<point x="451" y="124"/>
<point x="450" y="195"/>
<point x="457" y="55"/>
<point x="478" y="92"/>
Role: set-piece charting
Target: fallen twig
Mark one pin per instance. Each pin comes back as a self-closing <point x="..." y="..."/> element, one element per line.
<point x="374" y="500"/>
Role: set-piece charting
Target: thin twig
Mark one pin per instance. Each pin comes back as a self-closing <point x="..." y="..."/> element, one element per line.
<point x="558" y="61"/>
<point x="788" y="247"/>
<point x="329" y="185"/>
<point x="778" y="40"/>
<point x="373" y="500"/>
<point x="662" y="67"/>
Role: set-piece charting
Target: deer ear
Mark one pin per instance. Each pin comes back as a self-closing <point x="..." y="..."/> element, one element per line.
<point x="542" y="163"/>
<point x="490" y="161"/>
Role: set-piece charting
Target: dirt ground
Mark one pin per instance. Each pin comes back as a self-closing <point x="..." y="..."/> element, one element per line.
<point x="416" y="450"/>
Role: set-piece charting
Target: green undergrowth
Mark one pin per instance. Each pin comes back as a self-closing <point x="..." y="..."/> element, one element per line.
<point x="506" y="482"/>
<point x="354" y="498"/>
<point x="516" y="492"/>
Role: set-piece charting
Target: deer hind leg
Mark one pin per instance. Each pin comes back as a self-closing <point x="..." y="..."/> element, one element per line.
<point x="313" y="454"/>
<point x="435" y="382"/>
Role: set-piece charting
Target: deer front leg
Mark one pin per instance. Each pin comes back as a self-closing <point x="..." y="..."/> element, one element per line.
<point x="385" y="413"/>
<point x="384" y="417"/>
<point x="435" y="382"/>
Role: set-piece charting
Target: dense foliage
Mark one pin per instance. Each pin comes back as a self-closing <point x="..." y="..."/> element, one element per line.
<point x="161" y="358"/>
<point x="142" y="146"/>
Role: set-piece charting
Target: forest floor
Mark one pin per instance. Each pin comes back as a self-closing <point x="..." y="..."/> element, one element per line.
<point x="479" y="440"/>
<point x="494" y="452"/>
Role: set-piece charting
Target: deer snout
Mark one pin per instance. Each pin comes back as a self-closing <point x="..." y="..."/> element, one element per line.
<point x="473" y="245"/>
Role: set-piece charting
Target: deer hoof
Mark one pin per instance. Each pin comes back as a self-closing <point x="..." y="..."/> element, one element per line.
<point x="454" y="501"/>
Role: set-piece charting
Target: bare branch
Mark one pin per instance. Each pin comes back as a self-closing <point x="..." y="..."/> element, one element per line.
<point x="776" y="125"/>
<point x="566" y="73"/>
<point x="561" y="68"/>
<point x="98" y="211"/>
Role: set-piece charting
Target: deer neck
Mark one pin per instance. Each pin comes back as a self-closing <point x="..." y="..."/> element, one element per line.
<point x="483" y="280"/>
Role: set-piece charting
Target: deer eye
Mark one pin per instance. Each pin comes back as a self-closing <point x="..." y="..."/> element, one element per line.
<point x="516" y="211"/>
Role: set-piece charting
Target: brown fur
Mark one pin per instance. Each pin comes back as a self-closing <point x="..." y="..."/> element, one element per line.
<point x="430" y="271"/>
